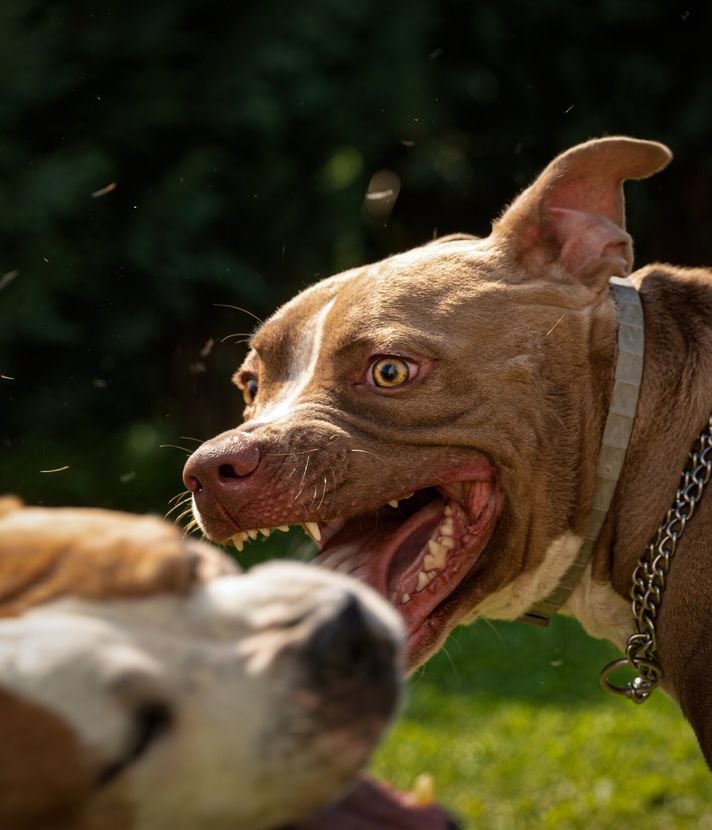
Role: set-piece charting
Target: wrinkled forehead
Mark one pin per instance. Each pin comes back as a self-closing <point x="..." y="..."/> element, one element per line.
<point x="402" y="290"/>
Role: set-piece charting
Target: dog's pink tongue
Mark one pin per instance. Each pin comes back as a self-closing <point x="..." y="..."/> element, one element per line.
<point x="380" y="555"/>
<point x="372" y="805"/>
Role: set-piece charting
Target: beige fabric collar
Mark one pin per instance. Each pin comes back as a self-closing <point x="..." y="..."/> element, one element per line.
<point x="616" y="435"/>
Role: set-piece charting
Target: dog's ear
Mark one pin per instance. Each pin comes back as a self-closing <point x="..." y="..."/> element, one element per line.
<point x="574" y="212"/>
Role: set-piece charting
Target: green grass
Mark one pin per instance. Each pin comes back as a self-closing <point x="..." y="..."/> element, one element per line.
<point x="516" y="731"/>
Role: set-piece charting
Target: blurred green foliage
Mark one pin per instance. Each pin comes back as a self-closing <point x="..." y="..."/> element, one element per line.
<point x="241" y="138"/>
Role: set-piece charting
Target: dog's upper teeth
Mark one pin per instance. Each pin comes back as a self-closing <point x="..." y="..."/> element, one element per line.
<point x="253" y="534"/>
<point x="312" y="528"/>
<point x="283" y="528"/>
<point x="438" y="551"/>
<point x="408" y="495"/>
<point x="265" y="531"/>
<point x="239" y="541"/>
<point x="405" y="599"/>
<point x="447" y="542"/>
<point x="393" y="502"/>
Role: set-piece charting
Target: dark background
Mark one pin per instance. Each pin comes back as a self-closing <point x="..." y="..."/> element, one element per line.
<point x="242" y="138"/>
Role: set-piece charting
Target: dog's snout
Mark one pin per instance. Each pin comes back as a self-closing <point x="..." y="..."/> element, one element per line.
<point x="351" y="646"/>
<point x="218" y="466"/>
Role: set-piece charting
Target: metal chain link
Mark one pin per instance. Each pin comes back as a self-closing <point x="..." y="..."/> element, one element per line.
<point x="651" y="573"/>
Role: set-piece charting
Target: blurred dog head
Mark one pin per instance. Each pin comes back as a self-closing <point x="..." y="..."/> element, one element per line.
<point x="214" y="699"/>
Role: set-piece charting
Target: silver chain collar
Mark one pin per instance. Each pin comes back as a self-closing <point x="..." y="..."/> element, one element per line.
<point x="651" y="573"/>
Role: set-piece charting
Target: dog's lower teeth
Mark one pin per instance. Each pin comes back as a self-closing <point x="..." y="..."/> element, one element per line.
<point x="438" y="551"/>
<point x="447" y="527"/>
<point x="424" y="580"/>
<point x="393" y="502"/>
<point x="405" y="599"/>
<point x="429" y="562"/>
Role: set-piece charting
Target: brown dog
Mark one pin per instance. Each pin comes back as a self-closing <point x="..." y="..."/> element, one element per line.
<point x="476" y="374"/>
<point x="145" y="683"/>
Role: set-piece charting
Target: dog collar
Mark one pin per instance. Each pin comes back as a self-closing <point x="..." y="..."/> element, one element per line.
<point x="616" y="435"/>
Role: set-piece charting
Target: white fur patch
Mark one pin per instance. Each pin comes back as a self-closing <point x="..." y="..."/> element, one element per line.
<point x="514" y="599"/>
<point x="602" y="611"/>
<point x="302" y="368"/>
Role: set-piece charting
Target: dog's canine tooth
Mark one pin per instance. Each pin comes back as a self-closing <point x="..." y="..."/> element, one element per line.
<point x="239" y="541"/>
<point x="265" y="531"/>
<point x="283" y="528"/>
<point x="253" y="534"/>
<point x="312" y="528"/>
<point x="405" y="599"/>
<point x="393" y="502"/>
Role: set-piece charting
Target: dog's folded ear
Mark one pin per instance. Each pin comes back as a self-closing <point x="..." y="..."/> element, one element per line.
<point x="46" y="554"/>
<point x="573" y="215"/>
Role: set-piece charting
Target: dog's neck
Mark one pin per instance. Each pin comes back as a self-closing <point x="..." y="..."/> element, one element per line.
<point x="614" y="443"/>
<point x="675" y="401"/>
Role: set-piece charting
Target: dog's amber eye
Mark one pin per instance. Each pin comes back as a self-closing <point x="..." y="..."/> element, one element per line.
<point x="388" y="372"/>
<point x="249" y="390"/>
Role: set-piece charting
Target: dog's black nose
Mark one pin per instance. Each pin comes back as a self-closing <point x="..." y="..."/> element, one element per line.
<point x="351" y="647"/>
<point x="218" y="465"/>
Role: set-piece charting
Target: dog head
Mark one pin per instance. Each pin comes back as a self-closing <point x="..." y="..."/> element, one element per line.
<point x="244" y="701"/>
<point x="434" y="418"/>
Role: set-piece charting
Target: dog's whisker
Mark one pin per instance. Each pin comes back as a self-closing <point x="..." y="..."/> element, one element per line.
<point x="175" y="447"/>
<point x="246" y="337"/>
<point x="183" y="515"/>
<point x="189" y="528"/>
<point x="179" y="495"/>
<point x="293" y="452"/>
<point x="306" y="467"/>
<point x="239" y="308"/>
<point x="188" y="438"/>
<point x="368" y="452"/>
<point x="323" y="495"/>
<point x="177" y="506"/>
<point x="304" y="475"/>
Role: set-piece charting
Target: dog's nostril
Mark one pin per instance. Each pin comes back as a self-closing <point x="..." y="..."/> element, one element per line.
<point x="227" y="471"/>
<point x="194" y="484"/>
<point x="349" y="647"/>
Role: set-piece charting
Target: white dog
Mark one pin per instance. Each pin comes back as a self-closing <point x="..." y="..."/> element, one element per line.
<point x="145" y="683"/>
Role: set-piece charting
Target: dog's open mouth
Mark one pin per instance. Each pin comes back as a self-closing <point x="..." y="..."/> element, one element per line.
<point x="416" y="550"/>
